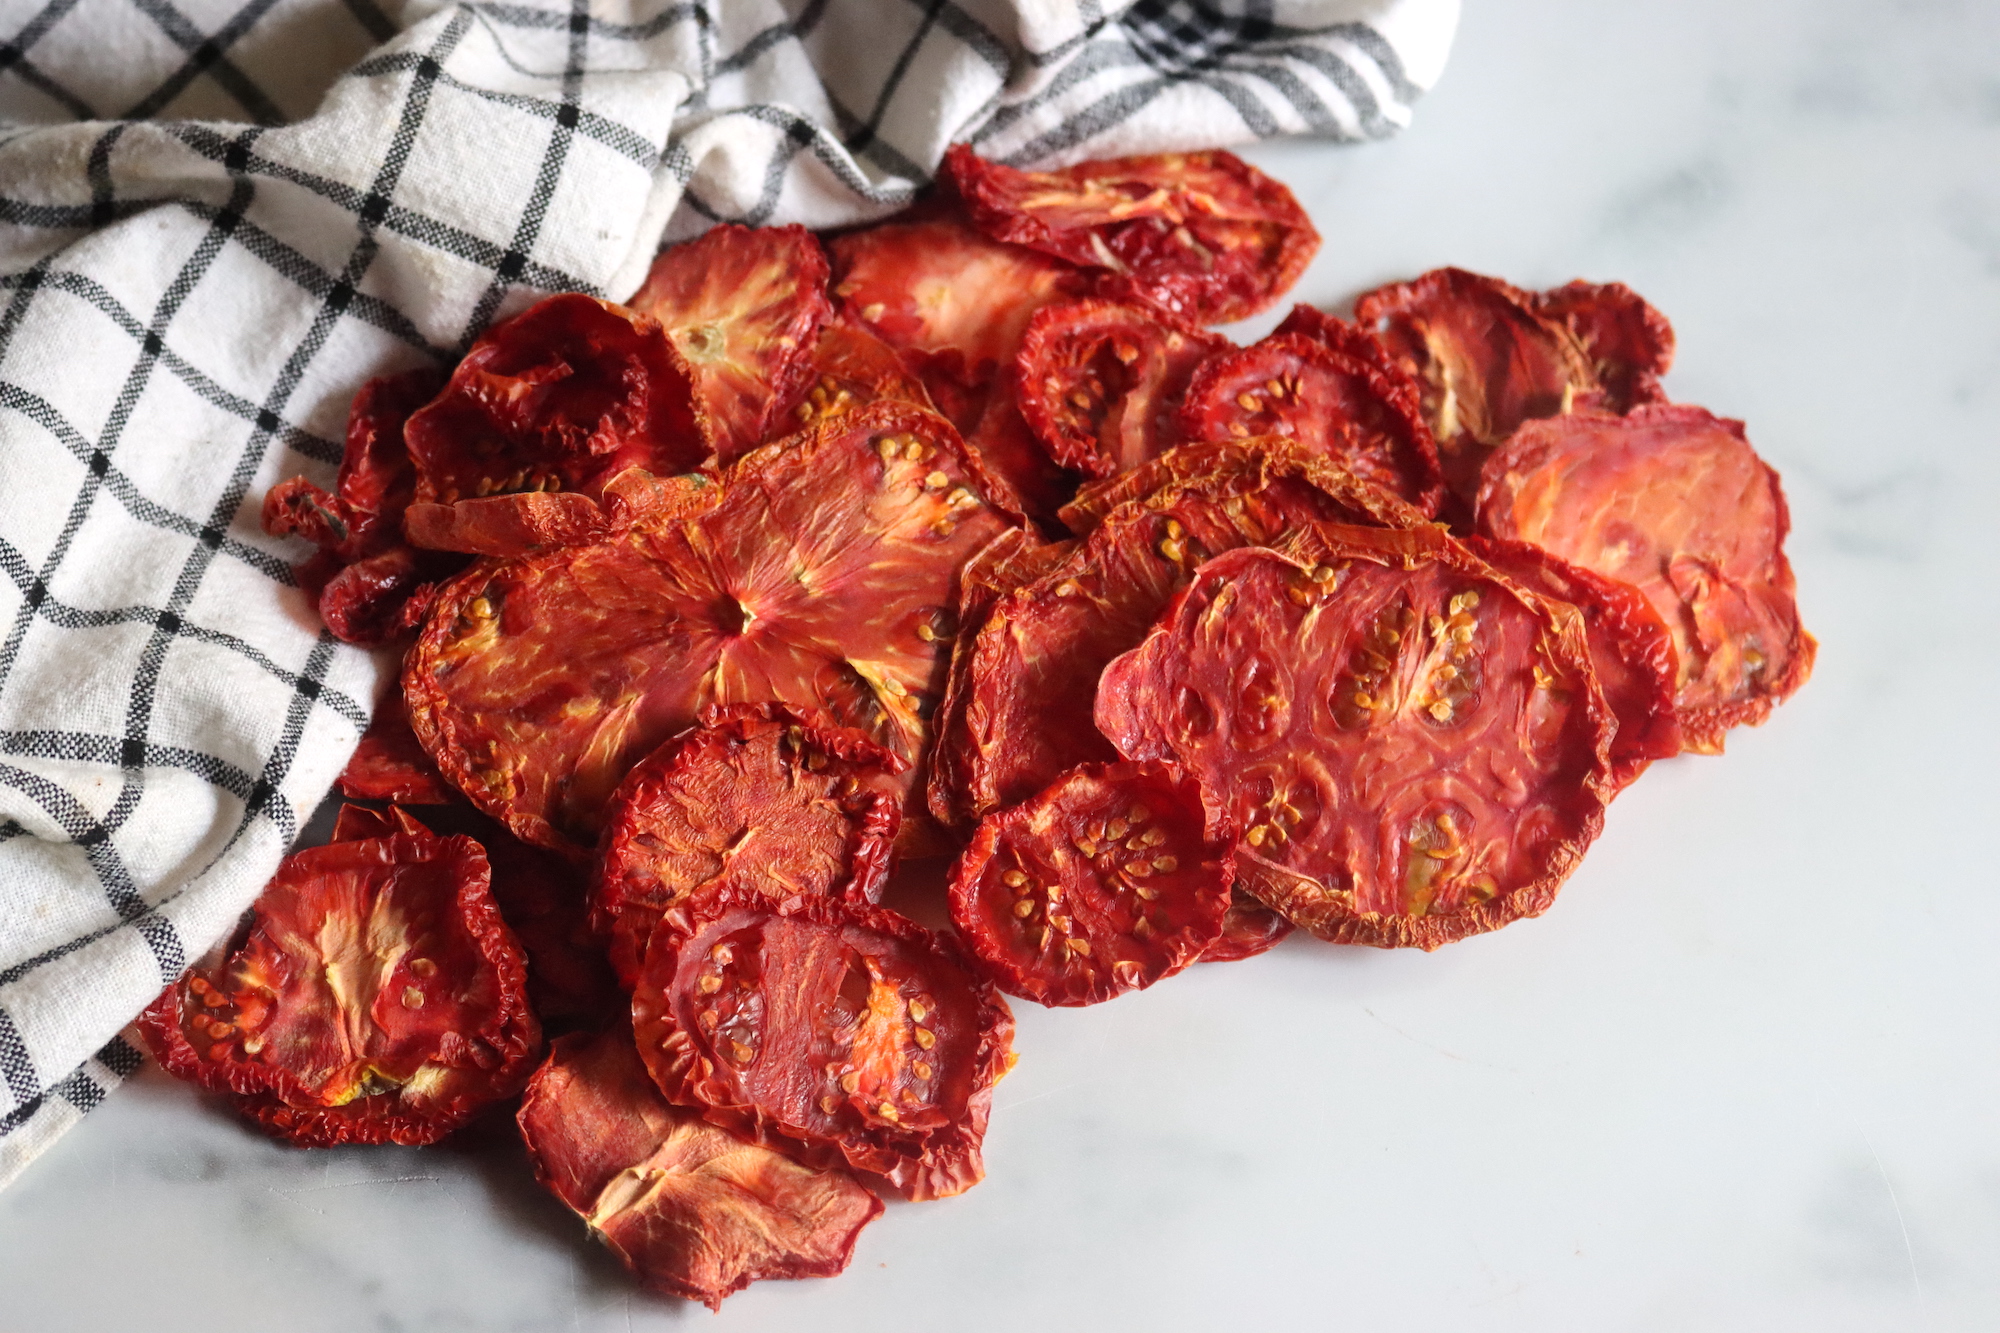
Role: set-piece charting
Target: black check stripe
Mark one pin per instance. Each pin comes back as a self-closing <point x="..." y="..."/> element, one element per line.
<point x="207" y="54"/>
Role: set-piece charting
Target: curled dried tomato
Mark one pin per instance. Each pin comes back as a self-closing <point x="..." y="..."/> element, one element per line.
<point x="1032" y="668"/>
<point x="377" y="997"/>
<point x="356" y="822"/>
<point x="367" y="603"/>
<point x="1630" y="647"/>
<point x="1413" y="747"/>
<point x="564" y="396"/>
<point x="766" y="797"/>
<point x="744" y="306"/>
<point x="692" y="1210"/>
<point x="1629" y="343"/>
<point x="389" y="765"/>
<point x="1331" y="403"/>
<point x="842" y="1032"/>
<point x="1486" y="359"/>
<point x="1205" y="235"/>
<point x="813" y="579"/>
<point x="532" y="522"/>
<point x="1675" y="502"/>
<point x="1101" y="382"/>
<point x="1338" y="335"/>
<point x="1015" y="558"/>
<point x="1104" y="882"/>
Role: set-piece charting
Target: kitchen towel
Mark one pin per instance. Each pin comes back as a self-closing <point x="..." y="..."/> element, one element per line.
<point x="218" y="218"/>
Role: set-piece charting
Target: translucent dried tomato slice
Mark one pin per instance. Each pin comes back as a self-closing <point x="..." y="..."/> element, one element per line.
<point x="939" y="286"/>
<point x="1675" y="502"/>
<point x="1414" y="747"/>
<point x="1248" y="929"/>
<point x="745" y="307"/>
<point x="692" y="1210"/>
<point x="376" y="998"/>
<point x="851" y="368"/>
<point x="765" y="797"/>
<point x="532" y="522"/>
<point x="389" y="765"/>
<point x="1205" y="235"/>
<point x="1102" y="883"/>
<point x="842" y="1032"/>
<point x="1015" y="558"/>
<point x="1487" y="360"/>
<point x="538" y="683"/>
<point x="1032" y="668"/>
<point x="1332" y="404"/>
<point x="564" y="396"/>
<point x="1630" y="647"/>
<point x="1101" y="382"/>
<point x="1629" y="343"/>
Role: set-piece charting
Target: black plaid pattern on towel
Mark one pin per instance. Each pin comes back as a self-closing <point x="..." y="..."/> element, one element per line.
<point x="219" y="217"/>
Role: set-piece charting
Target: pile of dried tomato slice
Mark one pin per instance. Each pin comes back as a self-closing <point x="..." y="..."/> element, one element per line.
<point x="957" y="534"/>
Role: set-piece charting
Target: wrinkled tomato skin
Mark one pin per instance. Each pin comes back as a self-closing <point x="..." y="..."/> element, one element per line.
<point x="842" y="1033"/>
<point x="538" y="683"/>
<point x="1203" y="235"/>
<point x="768" y="797"/>
<point x="1629" y="343"/>
<point x="1675" y="502"/>
<point x="1333" y="404"/>
<point x="1338" y="335"/>
<point x="693" y="1211"/>
<point x="1413" y="747"/>
<point x="377" y="997"/>
<point x="363" y="604"/>
<point x="744" y="306"/>
<point x="1630" y="647"/>
<point x="389" y="765"/>
<point x="1101" y="382"/>
<point x="1105" y="882"/>
<point x="563" y="396"/>
<point x="1033" y="666"/>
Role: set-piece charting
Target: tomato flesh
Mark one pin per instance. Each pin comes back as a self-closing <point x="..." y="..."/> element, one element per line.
<point x="843" y="1032"/>
<point x="1675" y="502"/>
<point x="377" y="997"/>
<point x="1413" y="748"/>
<point x="765" y="797"/>
<point x="1104" y="882"/>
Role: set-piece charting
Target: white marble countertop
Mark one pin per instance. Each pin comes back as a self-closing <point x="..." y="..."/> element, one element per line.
<point x="1744" y="1076"/>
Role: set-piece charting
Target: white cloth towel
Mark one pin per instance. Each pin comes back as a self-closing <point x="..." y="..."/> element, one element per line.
<point x="219" y="217"/>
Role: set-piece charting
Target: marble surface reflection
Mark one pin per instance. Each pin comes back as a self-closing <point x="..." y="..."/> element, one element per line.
<point x="1743" y="1077"/>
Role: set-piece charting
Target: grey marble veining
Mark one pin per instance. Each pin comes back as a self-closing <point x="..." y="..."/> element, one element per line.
<point x="1743" y="1077"/>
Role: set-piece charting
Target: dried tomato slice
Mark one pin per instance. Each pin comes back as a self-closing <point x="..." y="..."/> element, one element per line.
<point x="564" y="396"/>
<point x="1486" y="358"/>
<point x="842" y="1032"/>
<point x="1015" y="558"/>
<point x="1630" y="647"/>
<point x="1029" y="481"/>
<point x="1102" y="883"/>
<point x="766" y="797"/>
<point x="692" y="1210"/>
<point x="851" y="368"/>
<point x="1101" y="382"/>
<point x="537" y="683"/>
<point x="1675" y="502"/>
<point x="366" y="603"/>
<point x="531" y="523"/>
<point x="1205" y="235"/>
<point x="1032" y="668"/>
<point x="939" y="286"/>
<point x="1414" y="747"/>
<point x="1248" y="929"/>
<point x="356" y="822"/>
<point x="744" y="306"/>
<point x="377" y="997"/>
<point x="1330" y="403"/>
<point x="1338" y="335"/>
<point x="389" y="765"/>
<point x="1629" y="343"/>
